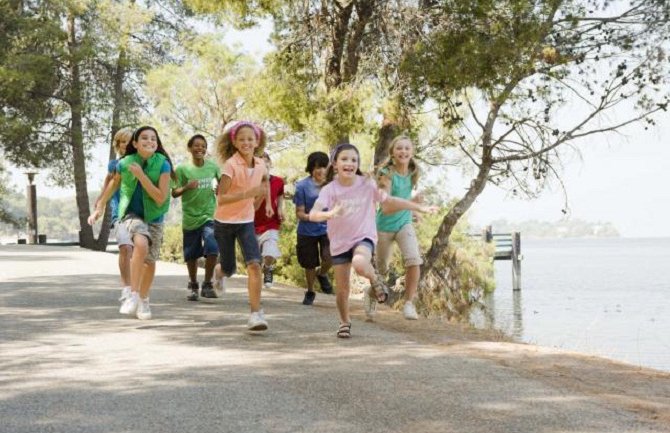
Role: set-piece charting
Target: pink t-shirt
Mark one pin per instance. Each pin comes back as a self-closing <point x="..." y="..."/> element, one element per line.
<point x="357" y="221"/>
<point x="241" y="179"/>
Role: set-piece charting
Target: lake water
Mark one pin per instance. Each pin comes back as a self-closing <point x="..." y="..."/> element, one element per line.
<point x="606" y="297"/>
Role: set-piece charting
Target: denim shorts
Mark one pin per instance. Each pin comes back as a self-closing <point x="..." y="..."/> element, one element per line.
<point x="200" y="242"/>
<point x="347" y="256"/>
<point x="226" y="234"/>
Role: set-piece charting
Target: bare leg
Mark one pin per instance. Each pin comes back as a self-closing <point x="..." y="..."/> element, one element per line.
<point x="125" y="252"/>
<point x="342" y="273"/>
<point x="140" y="251"/>
<point x="362" y="263"/>
<point x="269" y="261"/>
<point x="310" y="276"/>
<point x="210" y="263"/>
<point x="192" y="266"/>
<point x="147" y="279"/>
<point x="254" y="286"/>
<point x="412" y="274"/>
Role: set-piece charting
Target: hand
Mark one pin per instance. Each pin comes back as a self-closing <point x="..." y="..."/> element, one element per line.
<point x="428" y="209"/>
<point x="280" y="215"/>
<point x="336" y="211"/>
<point x="192" y="184"/>
<point x="135" y="169"/>
<point x="269" y="212"/>
<point x="94" y="217"/>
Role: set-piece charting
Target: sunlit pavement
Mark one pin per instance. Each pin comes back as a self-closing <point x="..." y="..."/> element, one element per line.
<point x="70" y="363"/>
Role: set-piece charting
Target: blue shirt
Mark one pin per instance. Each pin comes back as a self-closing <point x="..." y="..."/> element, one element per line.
<point x="114" y="202"/>
<point x="306" y="193"/>
<point x="136" y="206"/>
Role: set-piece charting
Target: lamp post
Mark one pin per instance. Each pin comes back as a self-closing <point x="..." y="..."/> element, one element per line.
<point x="31" y="194"/>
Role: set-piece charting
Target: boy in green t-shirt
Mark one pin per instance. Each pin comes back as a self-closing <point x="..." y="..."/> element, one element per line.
<point x="196" y="181"/>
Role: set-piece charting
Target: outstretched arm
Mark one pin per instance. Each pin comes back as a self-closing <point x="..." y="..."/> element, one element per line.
<point x="395" y="204"/>
<point x="100" y="204"/>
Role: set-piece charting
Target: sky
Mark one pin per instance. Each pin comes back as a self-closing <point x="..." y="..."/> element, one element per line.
<point x="620" y="178"/>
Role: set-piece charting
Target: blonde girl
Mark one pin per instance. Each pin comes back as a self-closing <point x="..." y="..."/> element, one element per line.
<point x="398" y="176"/>
<point x="351" y="199"/>
<point x="143" y="177"/>
<point x="244" y="178"/>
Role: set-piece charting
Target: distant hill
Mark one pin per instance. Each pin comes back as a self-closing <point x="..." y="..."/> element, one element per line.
<point x="573" y="228"/>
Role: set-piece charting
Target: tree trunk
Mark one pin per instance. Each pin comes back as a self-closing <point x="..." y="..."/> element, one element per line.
<point x="117" y="109"/>
<point x="393" y="124"/>
<point x="86" y="239"/>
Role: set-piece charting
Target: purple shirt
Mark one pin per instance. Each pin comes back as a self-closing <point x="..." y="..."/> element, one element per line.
<point x="357" y="221"/>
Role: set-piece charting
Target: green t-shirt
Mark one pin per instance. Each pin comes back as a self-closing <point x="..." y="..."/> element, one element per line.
<point x="401" y="187"/>
<point x="198" y="204"/>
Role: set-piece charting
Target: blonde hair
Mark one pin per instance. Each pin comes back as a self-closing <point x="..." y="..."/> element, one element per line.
<point x="414" y="171"/>
<point x="121" y="135"/>
<point x="224" y="143"/>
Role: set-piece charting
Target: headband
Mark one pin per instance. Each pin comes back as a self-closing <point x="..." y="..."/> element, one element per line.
<point x="337" y="148"/>
<point x="240" y="124"/>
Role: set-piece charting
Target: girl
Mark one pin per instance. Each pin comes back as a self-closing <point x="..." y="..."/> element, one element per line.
<point x="244" y="178"/>
<point x="351" y="199"/>
<point x="398" y="176"/>
<point x="143" y="176"/>
<point x="120" y="142"/>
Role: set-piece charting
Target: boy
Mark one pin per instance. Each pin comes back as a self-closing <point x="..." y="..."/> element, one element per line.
<point x="194" y="183"/>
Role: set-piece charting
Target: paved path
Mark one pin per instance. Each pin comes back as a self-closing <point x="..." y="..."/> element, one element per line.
<point x="70" y="363"/>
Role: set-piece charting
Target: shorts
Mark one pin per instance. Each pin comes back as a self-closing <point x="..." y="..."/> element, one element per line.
<point x="152" y="231"/>
<point x="245" y="233"/>
<point x="200" y="242"/>
<point x="310" y="248"/>
<point x="121" y="234"/>
<point x="407" y="242"/>
<point x="347" y="256"/>
<point x="269" y="243"/>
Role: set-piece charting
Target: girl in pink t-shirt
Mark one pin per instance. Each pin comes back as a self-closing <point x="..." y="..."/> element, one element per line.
<point x="352" y="201"/>
<point x="244" y="179"/>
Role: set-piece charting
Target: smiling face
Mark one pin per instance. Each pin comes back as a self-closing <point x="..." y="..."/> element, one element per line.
<point x="198" y="149"/>
<point x="402" y="152"/>
<point x="346" y="164"/>
<point x="122" y="144"/>
<point x="319" y="175"/>
<point x="245" y="141"/>
<point x="147" y="143"/>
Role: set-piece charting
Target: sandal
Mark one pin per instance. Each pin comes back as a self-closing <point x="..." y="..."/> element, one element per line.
<point x="344" y="330"/>
<point x="380" y="290"/>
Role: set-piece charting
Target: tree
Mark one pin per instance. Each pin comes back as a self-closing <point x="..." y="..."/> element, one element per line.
<point x="521" y="80"/>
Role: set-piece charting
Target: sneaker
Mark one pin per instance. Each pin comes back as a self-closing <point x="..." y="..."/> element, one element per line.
<point x="326" y="287"/>
<point x="129" y="306"/>
<point x="193" y="291"/>
<point x="207" y="290"/>
<point x="267" y="277"/>
<point x="409" y="311"/>
<point x="219" y="286"/>
<point x="309" y="298"/>
<point x="143" y="310"/>
<point x="125" y="293"/>
<point x="369" y="303"/>
<point x="257" y="322"/>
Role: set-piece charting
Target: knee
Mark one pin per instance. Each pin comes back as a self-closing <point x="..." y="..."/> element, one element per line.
<point x="359" y="263"/>
<point x="140" y="244"/>
<point x="254" y="268"/>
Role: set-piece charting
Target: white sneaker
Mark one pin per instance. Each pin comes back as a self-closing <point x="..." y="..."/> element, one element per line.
<point x="143" y="310"/>
<point x="369" y="303"/>
<point x="125" y="293"/>
<point x="257" y="322"/>
<point x="409" y="311"/>
<point x="129" y="306"/>
<point x="220" y="285"/>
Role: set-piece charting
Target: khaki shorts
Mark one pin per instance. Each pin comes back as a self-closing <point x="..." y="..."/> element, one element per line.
<point x="121" y="234"/>
<point x="408" y="243"/>
<point x="153" y="232"/>
<point x="268" y="241"/>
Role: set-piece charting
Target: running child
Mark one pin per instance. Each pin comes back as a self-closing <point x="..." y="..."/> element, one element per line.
<point x="313" y="247"/>
<point x="351" y="199"/>
<point x="267" y="228"/>
<point x="195" y="181"/>
<point x="244" y="178"/>
<point x="125" y="245"/>
<point x="143" y="177"/>
<point x="398" y="176"/>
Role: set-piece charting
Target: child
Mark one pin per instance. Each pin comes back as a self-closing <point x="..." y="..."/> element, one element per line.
<point x="313" y="247"/>
<point x="194" y="183"/>
<point x="143" y="176"/>
<point x="123" y="241"/>
<point x="398" y="176"/>
<point x="244" y="178"/>
<point x="351" y="198"/>
<point x="267" y="228"/>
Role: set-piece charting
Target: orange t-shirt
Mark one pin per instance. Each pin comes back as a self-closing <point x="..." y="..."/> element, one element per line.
<point x="242" y="177"/>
